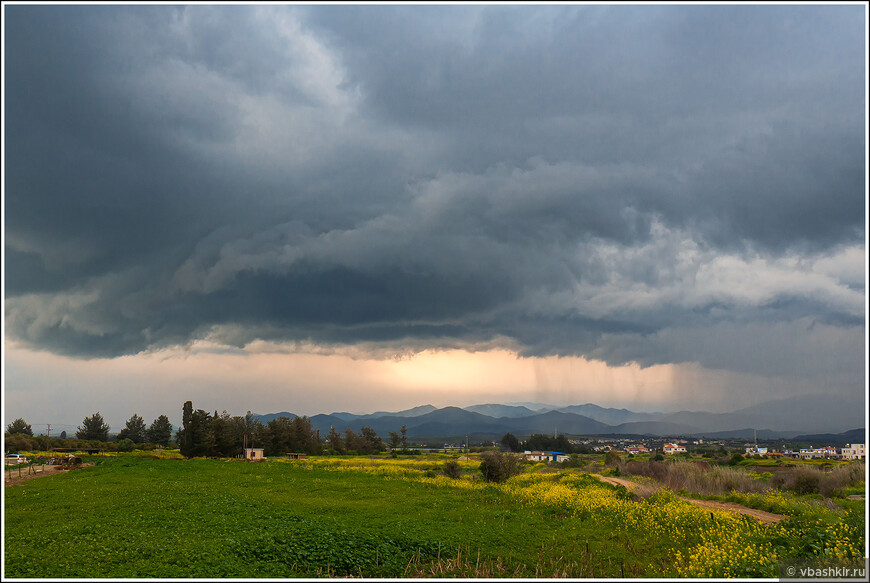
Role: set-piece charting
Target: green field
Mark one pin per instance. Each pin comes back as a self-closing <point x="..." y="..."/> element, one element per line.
<point x="135" y="517"/>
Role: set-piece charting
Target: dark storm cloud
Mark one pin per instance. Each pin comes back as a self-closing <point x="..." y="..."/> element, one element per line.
<point x="558" y="179"/>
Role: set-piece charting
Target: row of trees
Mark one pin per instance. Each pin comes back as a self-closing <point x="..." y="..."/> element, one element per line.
<point x="541" y="442"/>
<point x="367" y="441"/>
<point x="204" y="434"/>
<point x="95" y="428"/>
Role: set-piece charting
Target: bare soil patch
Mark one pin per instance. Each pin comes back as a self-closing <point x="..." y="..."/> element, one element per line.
<point x="760" y="515"/>
<point x="11" y="477"/>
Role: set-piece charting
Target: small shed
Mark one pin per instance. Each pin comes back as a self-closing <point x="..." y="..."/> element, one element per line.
<point x="253" y="454"/>
<point x="297" y="456"/>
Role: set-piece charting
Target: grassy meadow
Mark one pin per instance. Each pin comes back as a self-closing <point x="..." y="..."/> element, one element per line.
<point x="133" y="516"/>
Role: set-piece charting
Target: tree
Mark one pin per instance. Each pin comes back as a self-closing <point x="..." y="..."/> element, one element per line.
<point x="373" y="442"/>
<point x="160" y="431"/>
<point x="335" y="441"/>
<point x="196" y="438"/>
<point x="611" y="458"/>
<point x="510" y="442"/>
<point x="19" y="426"/>
<point x="452" y="469"/>
<point x="404" y="432"/>
<point x="134" y="430"/>
<point x="354" y="442"/>
<point x="498" y="467"/>
<point x="94" y="428"/>
<point x="395" y="440"/>
<point x="63" y="434"/>
<point x="184" y="434"/>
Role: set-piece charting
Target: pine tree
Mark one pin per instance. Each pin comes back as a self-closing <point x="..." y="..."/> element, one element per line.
<point x="134" y="430"/>
<point x="160" y="431"/>
<point x="93" y="427"/>
<point x="19" y="426"/>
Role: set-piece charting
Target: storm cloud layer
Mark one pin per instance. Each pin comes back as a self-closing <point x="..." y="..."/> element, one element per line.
<point x="651" y="184"/>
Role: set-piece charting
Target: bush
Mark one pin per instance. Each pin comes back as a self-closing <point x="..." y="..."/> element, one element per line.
<point x="498" y="467"/>
<point x="573" y="461"/>
<point x="452" y="469"/>
<point x="611" y="459"/>
<point x="805" y="481"/>
<point x="833" y="482"/>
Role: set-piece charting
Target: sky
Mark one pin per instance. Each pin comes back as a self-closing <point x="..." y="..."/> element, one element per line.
<point x="318" y="208"/>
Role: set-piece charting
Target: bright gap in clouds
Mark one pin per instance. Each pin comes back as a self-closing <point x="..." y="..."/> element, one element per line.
<point x="46" y="388"/>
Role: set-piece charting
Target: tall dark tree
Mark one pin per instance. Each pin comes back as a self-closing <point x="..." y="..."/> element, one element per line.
<point x="510" y="442"/>
<point x="280" y="436"/>
<point x="373" y="442"/>
<point x="160" y="431"/>
<point x="63" y="434"/>
<point x="201" y="436"/>
<point x="305" y="438"/>
<point x="395" y="440"/>
<point x="335" y="441"/>
<point x="353" y="442"/>
<point x="196" y="438"/>
<point x="185" y="441"/>
<point x="404" y="432"/>
<point x="134" y="430"/>
<point x="227" y="435"/>
<point x="19" y="426"/>
<point x="93" y="427"/>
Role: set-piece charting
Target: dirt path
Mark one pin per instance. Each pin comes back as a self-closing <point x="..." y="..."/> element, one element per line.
<point x="760" y="515"/>
<point x="14" y="479"/>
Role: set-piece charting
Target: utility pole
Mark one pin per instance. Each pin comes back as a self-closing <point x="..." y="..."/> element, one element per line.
<point x="48" y="431"/>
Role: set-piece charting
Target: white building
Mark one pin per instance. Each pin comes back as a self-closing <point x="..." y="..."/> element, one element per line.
<point x="670" y="448"/>
<point x="545" y="456"/>
<point x="817" y="453"/>
<point x="853" y="451"/>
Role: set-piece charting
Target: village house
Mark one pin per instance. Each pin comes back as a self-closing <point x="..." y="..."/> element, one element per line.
<point x="817" y="453"/>
<point x="636" y="449"/>
<point x="853" y="451"/>
<point x="545" y="456"/>
<point x="670" y="448"/>
<point x="755" y="450"/>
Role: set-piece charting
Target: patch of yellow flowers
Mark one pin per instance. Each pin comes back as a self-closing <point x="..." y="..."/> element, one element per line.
<point x="705" y="543"/>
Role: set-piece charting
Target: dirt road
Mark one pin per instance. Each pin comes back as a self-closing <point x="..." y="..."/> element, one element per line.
<point x="11" y="478"/>
<point x="760" y="515"/>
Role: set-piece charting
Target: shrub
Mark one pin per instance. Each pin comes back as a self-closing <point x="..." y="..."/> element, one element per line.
<point x="573" y="461"/>
<point x="498" y="467"/>
<point x="840" y="477"/>
<point x="612" y="458"/>
<point x="805" y="481"/>
<point x="452" y="469"/>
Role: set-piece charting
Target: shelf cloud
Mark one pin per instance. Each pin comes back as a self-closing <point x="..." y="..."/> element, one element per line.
<point x="646" y="184"/>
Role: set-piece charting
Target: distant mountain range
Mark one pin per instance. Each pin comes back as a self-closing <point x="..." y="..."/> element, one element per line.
<point x="808" y="416"/>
